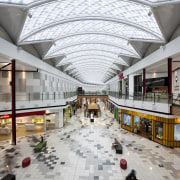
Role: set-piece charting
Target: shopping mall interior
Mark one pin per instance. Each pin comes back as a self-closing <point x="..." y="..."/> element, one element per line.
<point x="89" y="89"/>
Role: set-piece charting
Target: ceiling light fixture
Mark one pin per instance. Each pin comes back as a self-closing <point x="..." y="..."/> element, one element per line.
<point x="149" y="13"/>
<point x="29" y="15"/>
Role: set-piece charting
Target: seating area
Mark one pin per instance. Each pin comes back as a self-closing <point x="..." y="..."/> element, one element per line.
<point x="5" y="130"/>
<point x="40" y="146"/>
<point x="29" y="127"/>
<point x="118" y="148"/>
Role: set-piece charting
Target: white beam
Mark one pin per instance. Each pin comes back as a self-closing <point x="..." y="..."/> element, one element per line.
<point x="169" y="50"/>
<point x="10" y="50"/>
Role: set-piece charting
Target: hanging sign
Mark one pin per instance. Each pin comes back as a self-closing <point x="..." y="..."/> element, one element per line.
<point x="121" y="76"/>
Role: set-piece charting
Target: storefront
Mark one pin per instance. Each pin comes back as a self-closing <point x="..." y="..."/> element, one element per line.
<point x="26" y="124"/>
<point x="67" y="114"/>
<point x="161" y="130"/>
<point x="112" y="108"/>
<point x="119" y="115"/>
<point x="115" y="113"/>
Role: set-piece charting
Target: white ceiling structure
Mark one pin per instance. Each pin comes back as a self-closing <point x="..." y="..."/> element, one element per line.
<point x="90" y="37"/>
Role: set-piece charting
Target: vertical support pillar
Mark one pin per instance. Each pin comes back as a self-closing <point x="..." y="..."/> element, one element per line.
<point x="44" y="123"/>
<point x="170" y="81"/>
<point x="13" y="92"/>
<point x="170" y="78"/>
<point x="144" y="82"/>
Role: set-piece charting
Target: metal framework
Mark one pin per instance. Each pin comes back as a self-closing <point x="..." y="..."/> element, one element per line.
<point x="91" y="35"/>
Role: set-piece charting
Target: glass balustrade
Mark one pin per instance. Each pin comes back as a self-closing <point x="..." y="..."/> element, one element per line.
<point x="6" y="97"/>
<point x="149" y="97"/>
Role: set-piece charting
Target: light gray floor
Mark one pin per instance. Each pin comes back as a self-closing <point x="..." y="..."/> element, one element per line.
<point x="82" y="150"/>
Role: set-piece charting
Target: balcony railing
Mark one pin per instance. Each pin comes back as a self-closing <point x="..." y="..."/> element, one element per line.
<point x="93" y="93"/>
<point x="149" y="97"/>
<point x="37" y="96"/>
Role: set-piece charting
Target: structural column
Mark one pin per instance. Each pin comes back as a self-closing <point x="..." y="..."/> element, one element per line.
<point x="44" y="123"/>
<point x="170" y="77"/>
<point x="144" y="81"/>
<point x="13" y="89"/>
<point x="123" y="86"/>
<point x="170" y="81"/>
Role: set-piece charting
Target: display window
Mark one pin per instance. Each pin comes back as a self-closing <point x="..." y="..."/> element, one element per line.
<point x="136" y="124"/>
<point x="127" y="119"/>
<point x="25" y="125"/>
<point x="176" y="132"/>
<point x="158" y="130"/>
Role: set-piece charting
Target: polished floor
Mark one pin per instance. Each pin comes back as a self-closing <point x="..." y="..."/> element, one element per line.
<point x="20" y="131"/>
<point x="82" y="151"/>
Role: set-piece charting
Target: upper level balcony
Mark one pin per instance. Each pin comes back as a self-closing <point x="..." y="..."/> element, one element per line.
<point x="36" y="100"/>
<point x="153" y="102"/>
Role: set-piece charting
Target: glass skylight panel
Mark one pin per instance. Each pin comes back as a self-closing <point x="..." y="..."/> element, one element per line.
<point x="18" y="1"/>
<point x="84" y="58"/>
<point x="92" y="53"/>
<point x="92" y="61"/>
<point x="89" y="26"/>
<point x="58" y="11"/>
<point x="84" y="47"/>
<point x="160" y="0"/>
<point x="90" y="38"/>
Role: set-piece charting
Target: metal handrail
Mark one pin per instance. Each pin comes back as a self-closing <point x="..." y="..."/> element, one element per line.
<point x="39" y="96"/>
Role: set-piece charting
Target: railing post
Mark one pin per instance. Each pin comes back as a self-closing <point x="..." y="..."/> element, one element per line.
<point x="154" y="98"/>
<point x="42" y="96"/>
<point x="29" y="97"/>
<point x="54" y="96"/>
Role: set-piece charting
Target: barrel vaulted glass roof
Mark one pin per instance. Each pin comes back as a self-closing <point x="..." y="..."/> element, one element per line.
<point x="121" y="43"/>
<point x="54" y="12"/>
<point x="90" y="34"/>
<point x="31" y="1"/>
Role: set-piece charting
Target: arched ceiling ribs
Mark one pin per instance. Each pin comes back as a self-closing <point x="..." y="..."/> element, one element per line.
<point x="131" y="53"/>
<point x="86" y="51"/>
<point x="88" y="33"/>
<point x="87" y="38"/>
<point x="90" y="66"/>
<point x="79" y="19"/>
<point x="81" y="56"/>
<point x="90" y="60"/>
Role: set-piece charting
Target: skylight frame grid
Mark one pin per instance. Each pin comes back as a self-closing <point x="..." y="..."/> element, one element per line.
<point x="89" y="46"/>
<point x="53" y="12"/>
<point x="91" y="38"/>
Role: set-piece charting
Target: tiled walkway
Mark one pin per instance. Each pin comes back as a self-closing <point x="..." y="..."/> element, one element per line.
<point x="82" y="151"/>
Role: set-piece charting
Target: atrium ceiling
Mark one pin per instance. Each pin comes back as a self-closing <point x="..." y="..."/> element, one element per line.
<point x="90" y="40"/>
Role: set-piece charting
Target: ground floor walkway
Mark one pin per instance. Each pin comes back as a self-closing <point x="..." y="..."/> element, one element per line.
<point x="82" y="151"/>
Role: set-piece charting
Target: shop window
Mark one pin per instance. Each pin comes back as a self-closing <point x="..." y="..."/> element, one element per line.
<point x="177" y="132"/>
<point x="127" y="119"/>
<point x="159" y="130"/>
<point x="136" y="124"/>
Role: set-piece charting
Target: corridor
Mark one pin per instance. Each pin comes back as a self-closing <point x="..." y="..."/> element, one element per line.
<point x="82" y="151"/>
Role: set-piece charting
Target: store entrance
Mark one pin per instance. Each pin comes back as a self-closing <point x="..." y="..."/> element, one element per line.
<point x="143" y="126"/>
<point x="146" y="128"/>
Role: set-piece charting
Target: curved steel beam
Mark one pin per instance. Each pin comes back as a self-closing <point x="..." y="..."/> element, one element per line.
<point x="48" y="57"/>
<point x="99" y="66"/>
<point x="89" y="33"/>
<point x="92" y="18"/>
<point x="46" y="1"/>
<point x="89" y="60"/>
<point x="101" y="43"/>
<point x="101" y="56"/>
